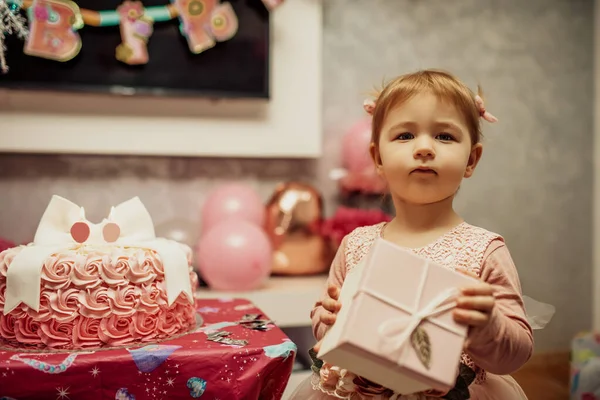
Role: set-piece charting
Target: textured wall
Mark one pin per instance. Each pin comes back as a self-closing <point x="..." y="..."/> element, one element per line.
<point x="534" y="185"/>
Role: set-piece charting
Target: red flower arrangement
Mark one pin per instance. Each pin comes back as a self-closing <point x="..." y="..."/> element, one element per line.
<point x="346" y="219"/>
<point x="6" y="244"/>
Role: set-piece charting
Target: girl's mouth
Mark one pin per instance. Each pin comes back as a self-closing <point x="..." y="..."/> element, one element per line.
<point x="424" y="170"/>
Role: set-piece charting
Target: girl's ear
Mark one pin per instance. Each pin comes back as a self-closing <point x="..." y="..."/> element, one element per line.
<point x="474" y="158"/>
<point x="376" y="156"/>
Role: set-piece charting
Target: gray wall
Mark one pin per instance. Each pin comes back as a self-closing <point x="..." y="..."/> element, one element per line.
<point x="534" y="185"/>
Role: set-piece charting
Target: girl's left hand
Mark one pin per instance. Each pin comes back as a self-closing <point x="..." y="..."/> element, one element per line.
<point x="474" y="306"/>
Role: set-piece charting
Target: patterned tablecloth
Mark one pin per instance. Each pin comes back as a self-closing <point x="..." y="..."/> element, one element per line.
<point x="198" y="365"/>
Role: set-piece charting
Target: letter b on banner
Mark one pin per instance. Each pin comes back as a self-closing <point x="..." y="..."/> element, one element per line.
<point x="53" y="26"/>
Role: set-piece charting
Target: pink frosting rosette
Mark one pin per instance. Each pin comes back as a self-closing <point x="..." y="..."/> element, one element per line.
<point x="86" y="271"/>
<point x="2" y="291"/>
<point x="17" y="312"/>
<point x="45" y="312"/>
<point x="169" y="324"/>
<point x="94" y="303"/>
<point x="56" y="334"/>
<point x="186" y="314"/>
<point x="6" y="258"/>
<point x="152" y="262"/>
<point x="64" y="304"/>
<point x="86" y="333"/>
<point x="114" y="270"/>
<point x="27" y="330"/>
<point x="7" y="326"/>
<point x="194" y="280"/>
<point x="114" y="330"/>
<point x="124" y="301"/>
<point x="141" y="271"/>
<point x="144" y="326"/>
<point x="56" y="271"/>
<point x="152" y="298"/>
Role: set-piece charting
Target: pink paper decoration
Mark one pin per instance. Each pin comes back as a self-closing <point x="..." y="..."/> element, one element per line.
<point x="80" y="231"/>
<point x="111" y="232"/>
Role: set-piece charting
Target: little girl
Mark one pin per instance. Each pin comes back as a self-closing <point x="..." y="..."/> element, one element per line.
<point x="426" y="137"/>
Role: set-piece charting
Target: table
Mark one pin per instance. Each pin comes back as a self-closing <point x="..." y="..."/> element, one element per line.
<point x="191" y="366"/>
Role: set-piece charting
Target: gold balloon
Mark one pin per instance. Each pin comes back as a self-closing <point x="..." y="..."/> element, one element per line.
<point x="294" y="216"/>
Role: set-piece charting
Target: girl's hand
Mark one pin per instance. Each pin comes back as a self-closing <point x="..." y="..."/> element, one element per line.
<point x="332" y="306"/>
<point x="474" y="306"/>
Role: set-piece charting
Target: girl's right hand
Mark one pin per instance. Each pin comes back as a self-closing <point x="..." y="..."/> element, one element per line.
<point x="332" y="305"/>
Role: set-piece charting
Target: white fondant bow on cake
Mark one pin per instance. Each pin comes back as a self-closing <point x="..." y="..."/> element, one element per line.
<point x="63" y="226"/>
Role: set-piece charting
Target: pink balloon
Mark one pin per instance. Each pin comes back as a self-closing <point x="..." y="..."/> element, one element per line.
<point x="235" y="255"/>
<point x="355" y="147"/>
<point x="234" y="200"/>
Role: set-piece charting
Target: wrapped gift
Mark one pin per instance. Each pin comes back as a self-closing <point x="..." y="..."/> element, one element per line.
<point x="585" y="366"/>
<point x="395" y="327"/>
<point x="238" y="353"/>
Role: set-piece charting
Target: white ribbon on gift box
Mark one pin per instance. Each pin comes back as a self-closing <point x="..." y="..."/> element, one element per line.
<point x="23" y="278"/>
<point x="397" y="331"/>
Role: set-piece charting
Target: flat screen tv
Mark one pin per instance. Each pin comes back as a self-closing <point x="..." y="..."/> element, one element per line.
<point x="237" y="67"/>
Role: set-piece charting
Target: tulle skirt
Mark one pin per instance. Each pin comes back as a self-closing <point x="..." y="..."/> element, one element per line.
<point x="495" y="387"/>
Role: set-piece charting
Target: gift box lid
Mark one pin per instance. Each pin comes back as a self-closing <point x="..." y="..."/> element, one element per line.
<point x="389" y="287"/>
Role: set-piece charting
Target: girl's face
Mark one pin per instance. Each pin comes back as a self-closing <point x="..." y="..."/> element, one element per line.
<point x="425" y="150"/>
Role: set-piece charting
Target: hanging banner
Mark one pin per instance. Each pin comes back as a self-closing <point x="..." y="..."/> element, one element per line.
<point x="54" y="25"/>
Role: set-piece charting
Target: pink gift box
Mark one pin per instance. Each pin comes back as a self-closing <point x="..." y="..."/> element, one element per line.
<point x="379" y="334"/>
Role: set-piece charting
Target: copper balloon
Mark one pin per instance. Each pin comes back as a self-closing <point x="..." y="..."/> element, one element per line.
<point x="294" y="216"/>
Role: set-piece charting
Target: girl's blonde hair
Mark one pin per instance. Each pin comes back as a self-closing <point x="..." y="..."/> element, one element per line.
<point x="442" y="84"/>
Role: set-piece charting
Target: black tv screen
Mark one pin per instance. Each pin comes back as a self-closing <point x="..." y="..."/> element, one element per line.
<point x="237" y="67"/>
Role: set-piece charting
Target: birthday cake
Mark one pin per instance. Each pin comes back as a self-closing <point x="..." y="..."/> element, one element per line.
<point x="86" y="286"/>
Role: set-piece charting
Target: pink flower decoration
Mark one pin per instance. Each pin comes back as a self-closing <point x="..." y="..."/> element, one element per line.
<point x="41" y="13"/>
<point x="346" y="219"/>
<point x="143" y="28"/>
<point x="6" y="244"/>
<point x="131" y="10"/>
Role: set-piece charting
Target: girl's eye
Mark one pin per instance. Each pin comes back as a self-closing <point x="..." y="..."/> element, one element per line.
<point x="405" y="136"/>
<point x="445" y="137"/>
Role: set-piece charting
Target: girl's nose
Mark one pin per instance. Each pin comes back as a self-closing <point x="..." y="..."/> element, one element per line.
<point x="423" y="148"/>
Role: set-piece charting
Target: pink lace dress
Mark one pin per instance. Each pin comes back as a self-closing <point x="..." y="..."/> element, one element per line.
<point x="491" y="353"/>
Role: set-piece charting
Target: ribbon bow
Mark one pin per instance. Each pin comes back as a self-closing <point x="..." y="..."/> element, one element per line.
<point x="483" y="112"/>
<point x="397" y="331"/>
<point x="63" y="227"/>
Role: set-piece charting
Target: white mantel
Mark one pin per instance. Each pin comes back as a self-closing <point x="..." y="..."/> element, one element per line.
<point x="288" y="125"/>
